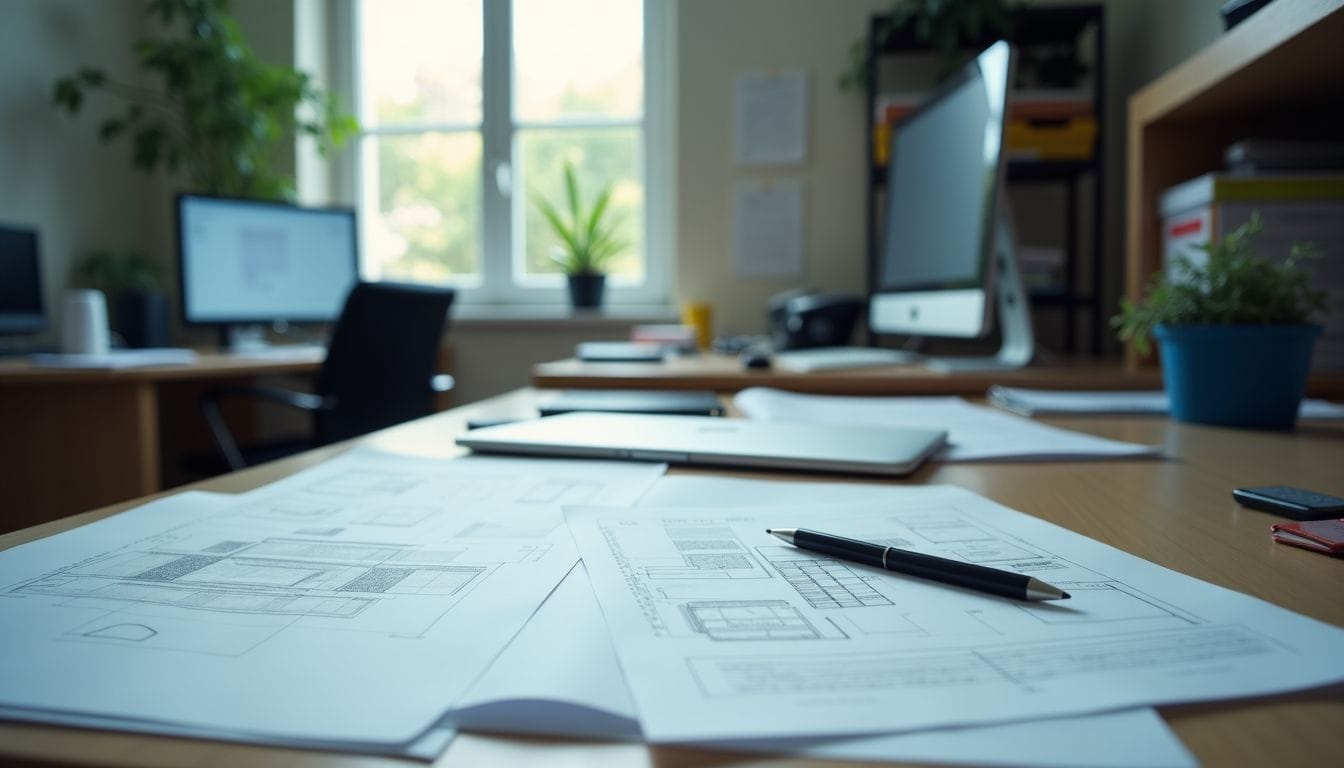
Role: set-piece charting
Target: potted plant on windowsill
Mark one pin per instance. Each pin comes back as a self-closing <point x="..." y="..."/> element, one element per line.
<point x="1235" y="334"/>
<point x="589" y="239"/>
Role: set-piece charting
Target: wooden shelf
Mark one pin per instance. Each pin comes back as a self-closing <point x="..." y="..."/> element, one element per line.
<point x="1279" y="74"/>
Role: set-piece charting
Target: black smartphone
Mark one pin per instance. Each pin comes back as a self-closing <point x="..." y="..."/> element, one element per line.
<point x="1285" y="500"/>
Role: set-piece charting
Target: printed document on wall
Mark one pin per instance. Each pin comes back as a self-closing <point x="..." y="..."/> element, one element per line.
<point x="771" y="124"/>
<point x="768" y="228"/>
<point x="724" y="632"/>
<point x="352" y="603"/>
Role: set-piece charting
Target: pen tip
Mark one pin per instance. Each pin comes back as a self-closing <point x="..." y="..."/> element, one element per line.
<point x="769" y="530"/>
<point x="1065" y="596"/>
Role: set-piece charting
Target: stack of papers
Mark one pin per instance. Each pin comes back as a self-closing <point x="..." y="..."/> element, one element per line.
<point x="974" y="432"/>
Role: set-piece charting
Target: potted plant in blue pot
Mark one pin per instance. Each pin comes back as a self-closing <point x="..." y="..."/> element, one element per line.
<point x="589" y="239"/>
<point x="1235" y="334"/>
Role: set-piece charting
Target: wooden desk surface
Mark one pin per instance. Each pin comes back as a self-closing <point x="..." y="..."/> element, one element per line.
<point x="208" y="365"/>
<point x="723" y="373"/>
<point x="1176" y="512"/>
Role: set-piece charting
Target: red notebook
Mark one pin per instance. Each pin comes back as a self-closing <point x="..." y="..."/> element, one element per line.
<point x="1317" y="535"/>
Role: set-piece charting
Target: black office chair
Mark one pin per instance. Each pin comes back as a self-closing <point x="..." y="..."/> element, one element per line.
<point x="379" y="371"/>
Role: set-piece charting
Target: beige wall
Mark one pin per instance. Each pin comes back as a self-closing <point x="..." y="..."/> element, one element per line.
<point x="54" y="173"/>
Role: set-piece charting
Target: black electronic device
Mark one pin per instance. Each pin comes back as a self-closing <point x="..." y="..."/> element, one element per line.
<point x="806" y="319"/>
<point x="21" y="306"/>
<point x="1295" y="503"/>
<point x="253" y="263"/>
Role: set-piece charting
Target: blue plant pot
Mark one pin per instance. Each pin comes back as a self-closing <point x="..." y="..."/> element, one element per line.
<point x="1236" y="375"/>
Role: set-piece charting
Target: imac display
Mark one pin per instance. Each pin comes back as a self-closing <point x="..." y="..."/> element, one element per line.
<point x="21" y="306"/>
<point x="244" y="262"/>
<point x="948" y="252"/>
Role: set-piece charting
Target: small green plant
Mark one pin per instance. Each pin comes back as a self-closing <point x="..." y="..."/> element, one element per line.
<point x="589" y="238"/>
<point x="1233" y="287"/>
<point x="120" y="273"/>
<point x="222" y="113"/>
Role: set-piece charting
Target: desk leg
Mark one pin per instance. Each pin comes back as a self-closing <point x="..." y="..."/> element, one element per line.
<point x="69" y="448"/>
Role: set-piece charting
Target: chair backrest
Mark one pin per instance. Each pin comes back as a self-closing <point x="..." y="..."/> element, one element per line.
<point x="381" y="358"/>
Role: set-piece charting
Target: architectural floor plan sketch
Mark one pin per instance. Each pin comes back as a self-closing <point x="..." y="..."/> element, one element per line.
<point x="525" y="690"/>
<point x="791" y="642"/>
<point x="370" y="577"/>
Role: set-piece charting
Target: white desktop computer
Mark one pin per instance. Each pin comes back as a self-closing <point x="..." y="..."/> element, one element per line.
<point x="947" y="266"/>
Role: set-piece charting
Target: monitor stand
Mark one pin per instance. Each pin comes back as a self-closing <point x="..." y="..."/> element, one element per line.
<point x="1018" y="342"/>
<point x="243" y="338"/>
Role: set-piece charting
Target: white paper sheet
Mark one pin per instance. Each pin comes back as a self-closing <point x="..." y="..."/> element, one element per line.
<point x="975" y="432"/>
<point x="768" y="228"/>
<point x="723" y="632"/>
<point x="771" y="112"/>
<point x="560" y="675"/>
<point x="1042" y="401"/>
<point x="350" y="604"/>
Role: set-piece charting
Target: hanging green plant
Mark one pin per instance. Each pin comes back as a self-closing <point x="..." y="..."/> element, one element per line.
<point x="221" y="113"/>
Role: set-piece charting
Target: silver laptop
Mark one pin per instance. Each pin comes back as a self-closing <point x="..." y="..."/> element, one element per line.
<point x="706" y="440"/>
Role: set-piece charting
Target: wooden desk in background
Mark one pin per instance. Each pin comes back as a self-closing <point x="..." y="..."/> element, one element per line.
<point x="72" y="440"/>
<point x="723" y="373"/>
<point x="1176" y="512"/>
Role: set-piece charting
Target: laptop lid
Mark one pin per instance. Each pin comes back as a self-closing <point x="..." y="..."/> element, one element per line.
<point x="706" y="440"/>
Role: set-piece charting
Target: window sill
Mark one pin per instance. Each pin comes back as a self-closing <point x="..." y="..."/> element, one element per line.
<point x="557" y="316"/>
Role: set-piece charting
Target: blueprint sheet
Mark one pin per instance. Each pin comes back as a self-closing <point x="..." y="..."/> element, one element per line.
<point x="723" y="632"/>
<point x="349" y="605"/>
<point x="560" y="675"/>
<point x="974" y="432"/>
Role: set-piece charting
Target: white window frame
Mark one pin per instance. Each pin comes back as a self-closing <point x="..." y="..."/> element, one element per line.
<point x="502" y="210"/>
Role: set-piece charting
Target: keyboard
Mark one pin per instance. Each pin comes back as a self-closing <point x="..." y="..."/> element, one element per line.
<point x="841" y="358"/>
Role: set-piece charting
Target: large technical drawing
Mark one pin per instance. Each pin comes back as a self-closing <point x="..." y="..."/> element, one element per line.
<point x="812" y="634"/>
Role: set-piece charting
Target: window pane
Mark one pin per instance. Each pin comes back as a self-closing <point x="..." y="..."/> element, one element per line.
<point x="600" y="157"/>
<point x="421" y="61"/>
<point x="425" y="222"/>
<point x="578" y="58"/>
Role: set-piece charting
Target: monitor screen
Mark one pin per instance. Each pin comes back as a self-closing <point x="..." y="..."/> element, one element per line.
<point x="935" y="268"/>
<point x="21" y="308"/>
<point x="243" y="261"/>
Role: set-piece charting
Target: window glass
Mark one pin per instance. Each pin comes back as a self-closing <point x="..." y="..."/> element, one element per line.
<point x="422" y="206"/>
<point x="578" y="58"/>
<point x="421" y="61"/>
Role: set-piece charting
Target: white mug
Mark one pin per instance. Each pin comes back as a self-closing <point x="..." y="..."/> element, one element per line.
<point x="84" y="330"/>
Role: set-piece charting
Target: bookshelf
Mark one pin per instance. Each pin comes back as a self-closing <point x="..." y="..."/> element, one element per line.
<point x="1277" y="75"/>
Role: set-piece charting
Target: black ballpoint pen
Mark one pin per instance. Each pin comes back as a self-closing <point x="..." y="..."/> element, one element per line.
<point x="954" y="572"/>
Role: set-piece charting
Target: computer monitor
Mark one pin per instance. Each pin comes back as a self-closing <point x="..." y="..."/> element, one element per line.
<point x="21" y="307"/>
<point x="947" y="265"/>
<point x="250" y="263"/>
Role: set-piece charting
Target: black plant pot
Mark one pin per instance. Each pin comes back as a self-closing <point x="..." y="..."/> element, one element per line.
<point x="141" y="319"/>
<point x="585" y="290"/>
